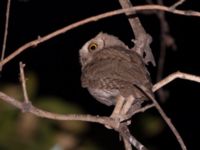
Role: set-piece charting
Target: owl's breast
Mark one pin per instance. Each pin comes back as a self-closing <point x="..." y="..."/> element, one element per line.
<point x="98" y="79"/>
<point x="107" y="97"/>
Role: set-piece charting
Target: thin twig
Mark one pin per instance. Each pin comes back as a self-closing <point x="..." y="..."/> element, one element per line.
<point x="177" y="4"/>
<point x="162" y="83"/>
<point x="27" y="103"/>
<point x="169" y="123"/>
<point x="95" y="18"/>
<point x="143" y="109"/>
<point x="165" y="117"/>
<point x="125" y="133"/>
<point x="23" y="82"/>
<point x="5" y="32"/>
<point x="164" y="29"/>
<point x="174" y="76"/>
<point x="166" y="40"/>
<point x="139" y="110"/>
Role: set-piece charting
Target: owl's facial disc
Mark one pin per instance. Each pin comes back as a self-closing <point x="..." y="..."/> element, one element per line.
<point x="89" y="49"/>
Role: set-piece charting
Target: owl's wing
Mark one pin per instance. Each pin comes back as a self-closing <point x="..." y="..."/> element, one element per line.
<point x="143" y="74"/>
<point x="131" y="68"/>
<point x="116" y="63"/>
<point x="127" y="63"/>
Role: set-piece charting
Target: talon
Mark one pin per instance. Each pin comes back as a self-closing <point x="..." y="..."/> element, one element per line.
<point x="128" y="104"/>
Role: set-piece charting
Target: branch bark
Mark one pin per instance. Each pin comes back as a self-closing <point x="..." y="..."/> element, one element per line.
<point x="5" y="32"/>
<point x="96" y="119"/>
<point x="142" y="39"/>
<point x="142" y="43"/>
<point x="95" y="18"/>
<point x="166" y="41"/>
<point x="173" y="76"/>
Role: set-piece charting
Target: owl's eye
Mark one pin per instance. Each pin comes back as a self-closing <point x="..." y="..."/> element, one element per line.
<point x="92" y="46"/>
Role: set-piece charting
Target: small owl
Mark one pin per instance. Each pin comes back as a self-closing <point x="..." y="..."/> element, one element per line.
<point x="111" y="69"/>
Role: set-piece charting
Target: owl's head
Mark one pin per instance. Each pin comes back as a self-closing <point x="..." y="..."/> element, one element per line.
<point x="99" y="42"/>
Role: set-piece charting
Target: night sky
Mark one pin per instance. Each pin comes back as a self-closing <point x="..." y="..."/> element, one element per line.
<point x="56" y="61"/>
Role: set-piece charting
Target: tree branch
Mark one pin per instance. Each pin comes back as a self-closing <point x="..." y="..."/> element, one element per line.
<point x="177" y="4"/>
<point x="115" y="124"/>
<point x="23" y="81"/>
<point x="102" y="120"/>
<point x="166" y="41"/>
<point x="166" y="119"/>
<point x="142" y="39"/>
<point x="45" y="114"/>
<point x="125" y="133"/>
<point x="174" y="76"/>
<point x="134" y="21"/>
<point x="140" y="36"/>
<point x="95" y="18"/>
<point x="27" y="103"/>
<point x="5" y="32"/>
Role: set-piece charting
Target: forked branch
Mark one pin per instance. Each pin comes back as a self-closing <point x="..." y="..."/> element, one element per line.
<point x="89" y="118"/>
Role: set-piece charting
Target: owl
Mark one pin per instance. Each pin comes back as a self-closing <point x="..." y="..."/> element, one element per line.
<point x="110" y="69"/>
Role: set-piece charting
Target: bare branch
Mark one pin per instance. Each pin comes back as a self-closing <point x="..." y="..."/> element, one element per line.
<point x="116" y="125"/>
<point x="95" y="18"/>
<point x="162" y="83"/>
<point x="125" y="133"/>
<point x="23" y="81"/>
<point x="174" y="76"/>
<point x="5" y="32"/>
<point x="106" y="120"/>
<point x="139" y="110"/>
<point x="177" y="4"/>
<point x="142" y="47"/>
<point x="27" y="103"/>
<point x="166" y="41"/>
<point x="134" y="21"/>
<point x="165" y="117"/>
<point x="45" y="114"/>
<point x="142" y="39"/>
<point x="169" y="123"/>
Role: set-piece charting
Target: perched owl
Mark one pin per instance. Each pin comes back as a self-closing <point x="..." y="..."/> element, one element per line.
<point x="110" y="69"/>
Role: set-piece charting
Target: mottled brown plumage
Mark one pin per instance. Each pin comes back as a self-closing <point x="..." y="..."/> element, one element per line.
<point x="110" y="69"/>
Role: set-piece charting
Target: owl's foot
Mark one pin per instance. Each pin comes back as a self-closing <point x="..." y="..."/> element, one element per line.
<point x="120" y="100"/>
<point x="127" y="105"/>
<point x="122" y="107"/>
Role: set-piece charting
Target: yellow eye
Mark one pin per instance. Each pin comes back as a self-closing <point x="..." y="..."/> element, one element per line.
<point x="92" y="46"/>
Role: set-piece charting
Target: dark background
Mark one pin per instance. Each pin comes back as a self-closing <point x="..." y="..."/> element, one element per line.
<point x="56" y="61"/>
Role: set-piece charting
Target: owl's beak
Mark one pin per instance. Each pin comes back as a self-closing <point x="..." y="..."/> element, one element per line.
<point x="83" y="61"/>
